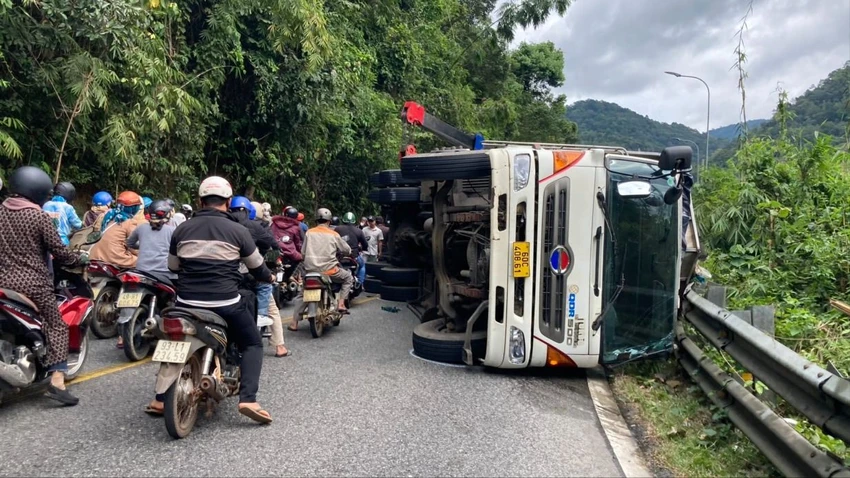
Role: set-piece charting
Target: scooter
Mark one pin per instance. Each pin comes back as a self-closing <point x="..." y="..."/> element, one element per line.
<point x="287" y="287"/>
<point x="22" y="340"/>
<point x="105" y="284"/>
<point x="143" y="295"/>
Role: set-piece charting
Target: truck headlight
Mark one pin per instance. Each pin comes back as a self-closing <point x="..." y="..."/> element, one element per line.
<point x="522" y="170"/>
<point x="517" y="346"/>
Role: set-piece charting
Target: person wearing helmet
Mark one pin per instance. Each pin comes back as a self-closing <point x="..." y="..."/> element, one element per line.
<point x="65" y="218"/>
<point x="151" y="241"/>
<point x="286" y="230"/>
<point x="303" y="225"/>
<point x="267" y="214"/>
<point x="30" y="235"/>
<point x="322" y="247"/>
<point x="118" y="224"/>
<point x="177" y="217"/>
<point x="243" y="210"/>
<point x="334" y="222"/>
<point x="375" y="237"/>
<point x="100" y="203"/>
<point x="187" y="211"/>
<point x="206" y="252"/>
<point x="356" y="240"/>
<point x="128" y="205"/>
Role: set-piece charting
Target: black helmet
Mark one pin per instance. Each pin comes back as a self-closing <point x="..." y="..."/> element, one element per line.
<point x="31" y="183"/>
<point x="160" y="209"/>
<point x="291" y="212"/>
<point x="335" y="221"/>
<point x="66" y="190"/>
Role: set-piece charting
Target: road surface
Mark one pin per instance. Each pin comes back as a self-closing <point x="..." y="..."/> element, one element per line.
<point x="353" y="403"/>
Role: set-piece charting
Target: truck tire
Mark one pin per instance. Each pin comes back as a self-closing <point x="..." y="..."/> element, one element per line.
<point x="432" y="342"/>
<point x="399" y="293"/>
<point x="372" y="286"/>
<point x="391" y="196"/>
<point x="440" y="167"/>
<point x="375" y="179"/>
<point x="400" y="275"/>
<point x="393" y="177"/>
<point x="374" y="269"/>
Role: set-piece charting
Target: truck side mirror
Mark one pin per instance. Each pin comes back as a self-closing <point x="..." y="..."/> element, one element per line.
<point x="675" y="157"/>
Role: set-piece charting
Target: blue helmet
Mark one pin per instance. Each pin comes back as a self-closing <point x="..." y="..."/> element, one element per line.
<point x="147" y="201"/>
<point x="102" y="198"/>
<point x="241" y="202"/>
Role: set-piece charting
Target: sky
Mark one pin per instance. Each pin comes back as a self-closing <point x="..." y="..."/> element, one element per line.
<point x="618" y="51"/>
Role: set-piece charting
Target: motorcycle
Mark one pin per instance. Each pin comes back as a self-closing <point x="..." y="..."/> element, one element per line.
<point x="143" y="295"/>
<point x="320" y="297"/>
<point x="106" y="286"/>
<point x="198" y="365"/>
<point x="22" y="340"/>
<point x="287" y="287"/>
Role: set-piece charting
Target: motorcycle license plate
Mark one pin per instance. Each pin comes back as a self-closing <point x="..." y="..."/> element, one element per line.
<point x="171" y="352"/>
<point x="129" y="299"/>
<point x="312" y="295"/>
<point x="280" y="276"/>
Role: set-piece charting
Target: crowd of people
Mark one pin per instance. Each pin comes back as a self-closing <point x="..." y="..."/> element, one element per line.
<point x="219" y="257"/>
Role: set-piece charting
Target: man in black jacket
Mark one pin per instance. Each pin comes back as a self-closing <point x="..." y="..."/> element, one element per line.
<point x="206" y="253"/>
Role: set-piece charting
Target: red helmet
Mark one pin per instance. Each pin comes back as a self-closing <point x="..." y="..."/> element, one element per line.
<point x="300" y="216"/>
<point x="129" y="198"/>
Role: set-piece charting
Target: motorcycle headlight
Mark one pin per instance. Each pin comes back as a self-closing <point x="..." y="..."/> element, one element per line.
<point x="522" y="170"/>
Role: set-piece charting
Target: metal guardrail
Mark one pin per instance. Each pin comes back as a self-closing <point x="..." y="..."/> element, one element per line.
<point x="821" y="396"/>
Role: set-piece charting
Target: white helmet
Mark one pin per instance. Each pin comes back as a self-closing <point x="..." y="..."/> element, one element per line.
<point x="258" y="209"/>
<point x="215" y="186"/>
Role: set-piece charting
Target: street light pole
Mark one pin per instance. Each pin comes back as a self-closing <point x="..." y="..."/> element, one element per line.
<point x="699" y="173"/>
<point x="708" y="110"/>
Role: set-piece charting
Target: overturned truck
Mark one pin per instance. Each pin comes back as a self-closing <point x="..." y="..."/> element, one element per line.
<point x="535" y="255"/>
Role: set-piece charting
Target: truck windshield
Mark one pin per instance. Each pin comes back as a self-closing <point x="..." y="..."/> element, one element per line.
<point x="644" y="262"/>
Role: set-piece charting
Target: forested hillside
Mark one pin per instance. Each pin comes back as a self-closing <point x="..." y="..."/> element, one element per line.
<point x="294" y="102"/>
<point x="604" y="123"/>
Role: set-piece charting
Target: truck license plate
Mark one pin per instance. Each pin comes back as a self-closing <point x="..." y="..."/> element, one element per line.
<point x="129" y="299"/>
<point x="522" y="259"/>
<point x="171" y="352"/>
<point x="312" y="295"/>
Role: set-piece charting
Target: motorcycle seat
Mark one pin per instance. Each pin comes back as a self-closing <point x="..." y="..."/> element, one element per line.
<point x="157" y="276"/>
<point x="201" y="315"/>
<point x="18" y="297"/>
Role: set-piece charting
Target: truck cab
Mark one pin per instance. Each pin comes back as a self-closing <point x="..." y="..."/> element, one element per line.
<point x="539" y="255"/>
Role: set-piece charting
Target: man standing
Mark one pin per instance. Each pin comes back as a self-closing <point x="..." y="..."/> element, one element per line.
<point x="206" y="253"/>
<point x="374" y="236"/>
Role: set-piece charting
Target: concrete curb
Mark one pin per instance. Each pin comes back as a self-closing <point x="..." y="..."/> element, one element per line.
<point x="619" y="436"/>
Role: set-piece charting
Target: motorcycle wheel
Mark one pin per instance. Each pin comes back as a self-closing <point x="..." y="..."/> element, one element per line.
<point x="104" y="324"/>
<point x="136" y="347"/>
<point x="181" y="401"/>
<point x="76" y="360"/>
<point x="317" y="327"/>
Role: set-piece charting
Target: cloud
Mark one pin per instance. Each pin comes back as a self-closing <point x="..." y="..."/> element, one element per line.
<point x="618" y="50"/>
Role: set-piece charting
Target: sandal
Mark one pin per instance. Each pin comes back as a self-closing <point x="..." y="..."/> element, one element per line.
<point x="154" y="412"/>
<point x="287" y="354"/>
<point x="257" y="414"/>
<point x="291" y="329"/>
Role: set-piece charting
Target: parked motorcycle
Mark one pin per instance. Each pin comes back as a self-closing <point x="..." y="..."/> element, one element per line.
<point x="106" y="286"/>
<point x="22" y="341"/>
<point x="321" y="298"/>
<point x="198" y="365"/>
<point x="143" y="295"/>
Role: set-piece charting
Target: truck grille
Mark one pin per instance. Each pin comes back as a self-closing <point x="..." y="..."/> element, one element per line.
<point x="553" y="288"/>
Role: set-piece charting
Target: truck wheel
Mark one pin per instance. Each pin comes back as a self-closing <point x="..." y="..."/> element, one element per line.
<point x="400" y="275"/>
<point x="372" y="286"/>
<point x="373" y="269"/>
<point x="431" y="341"/>
<point x="391" y="196"/>
<point x="399" y="293"/>
<point x="393" y="177"/>
<point x="375" y="179"/>
<point x="441" y="167"/>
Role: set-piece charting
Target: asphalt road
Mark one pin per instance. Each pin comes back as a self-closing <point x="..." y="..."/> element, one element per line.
<point x="353" y="403"/>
